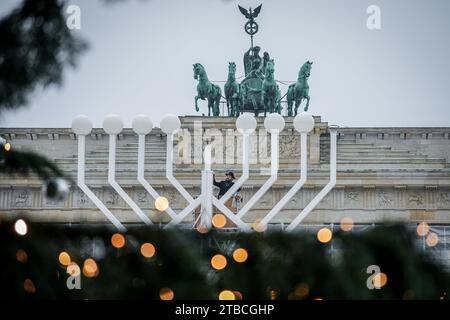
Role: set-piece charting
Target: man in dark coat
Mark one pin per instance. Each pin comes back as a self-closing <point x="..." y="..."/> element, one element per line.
<point x="226" y="184"/>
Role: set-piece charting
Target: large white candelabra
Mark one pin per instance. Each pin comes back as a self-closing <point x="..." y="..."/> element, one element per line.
<point x="170" y="124"/>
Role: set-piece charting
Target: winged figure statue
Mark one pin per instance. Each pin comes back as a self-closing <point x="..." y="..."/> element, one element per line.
<point x="250" y="14"/>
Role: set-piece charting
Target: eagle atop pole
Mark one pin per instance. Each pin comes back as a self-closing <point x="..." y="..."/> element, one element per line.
<point x="251" y="27"/>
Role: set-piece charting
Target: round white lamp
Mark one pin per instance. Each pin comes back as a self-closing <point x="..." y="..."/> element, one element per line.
<point x="246" y="123"/>
<point x="304" y="122"/>
<point x="170" y="123"/>
<point x="274" y="123"/>
<point x="112" y="124"/>
<point x="81" y="125"/>
<point x="142" y="124"/>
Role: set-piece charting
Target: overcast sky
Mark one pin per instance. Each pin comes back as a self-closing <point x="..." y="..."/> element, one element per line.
<point x="141" y="55"/>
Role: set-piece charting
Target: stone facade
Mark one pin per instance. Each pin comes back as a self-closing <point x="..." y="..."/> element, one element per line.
<point x="398" y="174"/>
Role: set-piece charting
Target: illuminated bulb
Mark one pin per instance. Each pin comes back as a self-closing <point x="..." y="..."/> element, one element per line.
<point x="346" y="224"/>
<point x="161" y="204"/>
<point x="237" y="295"/>
<point x="301" y="290"/>
<point x="219" y="220"/>
<point x="7" y="146"/>
<point x="118" y="240"/>
<point x="432" y="239"/>
<point x="202" y="229"/>
<point x="64" y="258"/>
<point x="227" y="295"/>
<point x="379" y="280"/>
<point x="240" y="255"/>
<point x="73" y="269"/>
<point x="422" y="229"/>
<point x="166" y="294"/>
<point x="258" y="226"/>
<point x="219" y="262"/>
<point x="324" y="235"/>
<point x="21" y="227"/>
<point x="28" y="286"/>
<point x="148" y="250"/>
<point x="21" y="256"/>
<point x="90" y="268"/>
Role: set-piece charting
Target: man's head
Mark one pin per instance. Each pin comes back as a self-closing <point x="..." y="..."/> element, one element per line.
<point x="229" y="176"/>
<point x="256" y="50"/>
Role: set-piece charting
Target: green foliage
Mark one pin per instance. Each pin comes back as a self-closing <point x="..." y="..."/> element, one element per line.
<point x="36" y="46"/>
<point x="279" y="265"/>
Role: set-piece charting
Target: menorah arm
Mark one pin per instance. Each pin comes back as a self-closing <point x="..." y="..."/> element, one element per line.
<point x="169" y="170"/>
<point x="273" y="176"/>
<point x="82" y="185"/>
<point x="141" y="178"/>
<point x="112" y="181"/>
<point x="245" y="170"/>
<point x="230" y="215"/>
<point x="330" y="185"/>
<point x="180" y="216"/>
<point x="295" y="188"/>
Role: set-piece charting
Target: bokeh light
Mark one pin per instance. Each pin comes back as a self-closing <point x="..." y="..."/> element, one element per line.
<point x="432" y="239"/>
<point x="28" y="286"/>
<point x="64" y="258"/>
<point x="258" y="227"/>
<point x="301" y="290"/>
<point x="166" y="294"/>
<point x="7" y="146"/>
<point x="219" y="220"/>
<point x="118" y="240"/>
<point x="379" y="280"/>
<point x="90" y="268"/>
<point x="21" y="256"/>
<point x="226" y="295"/>
<point x="240" y="255"/>
<point x="219" y="262"/>
<point x="161" y="203"/>
<point x="237" y="295"/>
<point x="21" y="227"/>
<point x="148" y="250"/>
<point x="346" y="224"/>
<point x="73" y="269"/>
<point x="422" y="229"/>
<point x="202" y="229"/>
<point x="324" y="235"/>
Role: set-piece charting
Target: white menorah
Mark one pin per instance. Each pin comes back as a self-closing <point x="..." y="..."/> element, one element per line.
<point x="170" y="124"/>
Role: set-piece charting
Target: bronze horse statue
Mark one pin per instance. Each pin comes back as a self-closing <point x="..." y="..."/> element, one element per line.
<point x="270" y="90"/>
<point x="207" y="90"/>
<point x="299" y="90"/>
<point x="232" y="92"/>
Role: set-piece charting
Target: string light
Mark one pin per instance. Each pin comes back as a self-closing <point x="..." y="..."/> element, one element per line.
<point x="202" y="229"/>
<point x="226" y="295"/>
<point x="21" y="227"/>
<point x="423" y="229"/>
<point x="64" y="258"/>
<point x="28" y="286"/>
<point x="7" y="146"/>
<point x="73" y="269"/>
<point x="219" y="220"/>
<point x="161" y="203"/>
<point x="324" y="235"/>
<point x="118" y="240"/>
<point x="237" y="295"/>
<point x="90" y="268"/>
<point x="148" y="250"/>
<point x="219" y="262"/>
<point x="240" y="255"/>
<point x="21" y="256"/>
<point x="301" y="290"/>
<point x="346" y="224"/>
<point x="379" y="280"/>
<point x="166" y="294"/>
<point x="259" y="227"/>
<point x="432" y="239"/>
